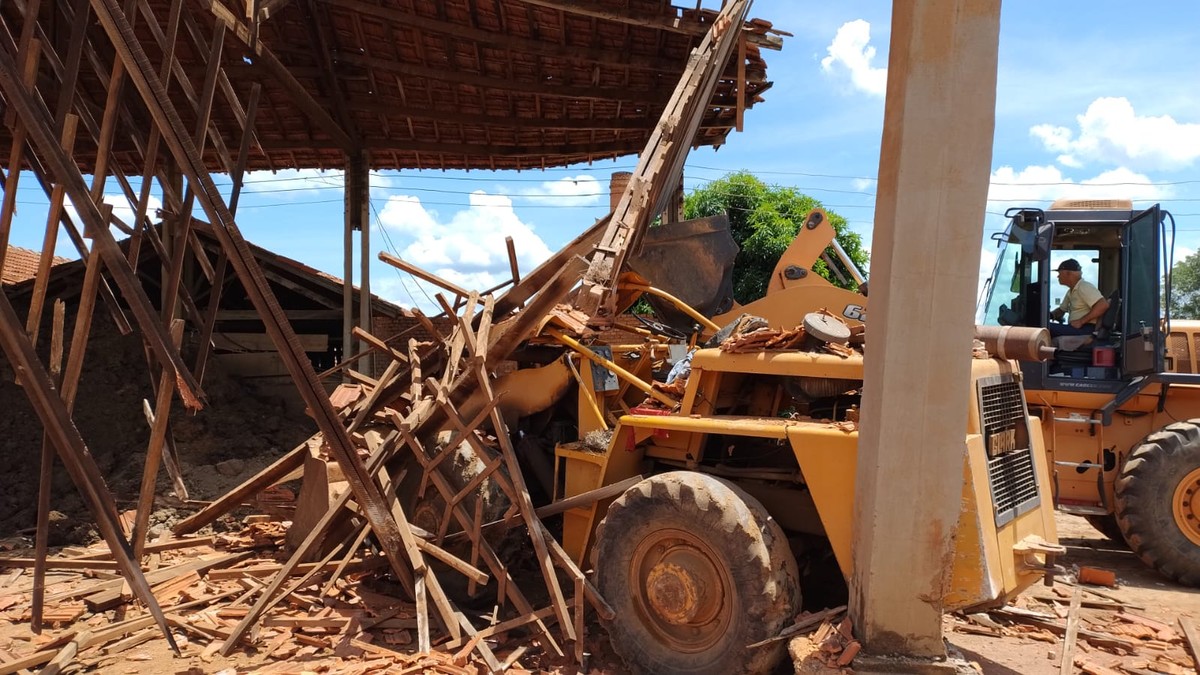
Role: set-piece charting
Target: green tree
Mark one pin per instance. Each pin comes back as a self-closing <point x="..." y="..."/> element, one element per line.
<point x="764" y="219"/>
<point x="1185" y="288"/>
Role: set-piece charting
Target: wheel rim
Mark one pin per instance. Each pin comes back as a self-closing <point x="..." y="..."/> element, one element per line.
<point x="1186" y="506"/>
<point x="681" y="587"/>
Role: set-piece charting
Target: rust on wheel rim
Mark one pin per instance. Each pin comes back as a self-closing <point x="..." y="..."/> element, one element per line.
<point x="1186" y="506"/>
<point x="682" y="589"/>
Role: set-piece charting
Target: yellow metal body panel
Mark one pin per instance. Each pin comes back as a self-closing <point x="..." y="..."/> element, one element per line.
<point x="786" y="308"/>
<point x="1006" y="569"/>
<point x="828" y="459"/>
<point x="796" y="363"/>
<point x="1072" y="437"/>
<point x="586" y="470"/>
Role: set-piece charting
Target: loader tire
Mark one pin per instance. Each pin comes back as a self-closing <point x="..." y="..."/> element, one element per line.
<point x="1158" y="501"/>
<point x="1107" y="525"/>
<point x="696" y="570"/>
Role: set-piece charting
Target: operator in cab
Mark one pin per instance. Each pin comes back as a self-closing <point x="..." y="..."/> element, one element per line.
<point x="1081" y="307"/>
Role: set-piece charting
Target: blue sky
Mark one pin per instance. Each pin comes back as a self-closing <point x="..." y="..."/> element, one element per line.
<point x="1098" y="99"/>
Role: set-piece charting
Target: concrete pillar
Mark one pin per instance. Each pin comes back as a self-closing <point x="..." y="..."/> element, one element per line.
<point x="933" y="180"/>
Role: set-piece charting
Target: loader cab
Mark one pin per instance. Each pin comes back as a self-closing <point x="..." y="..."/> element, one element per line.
<point x="1119" y="251"/>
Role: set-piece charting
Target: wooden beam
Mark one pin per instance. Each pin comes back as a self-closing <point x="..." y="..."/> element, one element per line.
<point x="422" y="274"/>
<point x="660" y="166"/>
<point x="282" y="76"/>
<point x="154" y="450"/>
<point x="941" y="93"/>
<point x="507" y="41"/>
<point x="64" y="169"/>
<point x="45" y="484"/>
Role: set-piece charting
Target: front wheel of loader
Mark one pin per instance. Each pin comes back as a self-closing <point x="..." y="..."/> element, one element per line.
<point x="1158" y="501"/>
<point x="696" y="570"/>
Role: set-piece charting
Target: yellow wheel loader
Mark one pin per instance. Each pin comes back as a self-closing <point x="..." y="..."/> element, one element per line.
<point x="1118" y="406"/>
<point x="742" y="456"/>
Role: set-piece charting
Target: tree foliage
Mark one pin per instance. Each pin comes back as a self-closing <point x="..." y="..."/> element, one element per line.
<point x="1185" y="288"/>
<point x="764" y="220"/>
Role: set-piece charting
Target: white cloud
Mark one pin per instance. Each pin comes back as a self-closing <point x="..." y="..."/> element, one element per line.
<point x="121" y="209"/>
<point x="469" y="248"/>
<point x="581" y="190"/>
<point x="852" y="53"/>
<point x="864" y="184"/>
<point x="1111" y="132"/>
<point x="1032" y="184"/>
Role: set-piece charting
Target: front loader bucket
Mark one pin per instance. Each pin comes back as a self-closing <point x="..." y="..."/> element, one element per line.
<point x="692" y="260"/>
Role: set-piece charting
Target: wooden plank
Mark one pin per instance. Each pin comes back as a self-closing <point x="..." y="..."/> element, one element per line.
<point x="423" y="274"/>
<point x="504" y="626"/>
<point x="422" y="615"/>
<point x="1066" y="662"/>
<point x="507" y="587"/>
<point x="49" y="240"/>
<point x="114" y="593"/>
<point x="42" y="538"/>
<point x="254" y="364"/>
<point x="660" y="166"/>
<point x="60" y="563"/>
<point x="30" y="54"/>
<point x="61" y="166"/>
<point x="1193" y="640"/>
<point x="154" y="450"/>
<point x="379" y="345"/>
<point x="513" y="267"/>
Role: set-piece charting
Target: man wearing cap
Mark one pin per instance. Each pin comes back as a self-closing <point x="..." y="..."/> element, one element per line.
<point x="1081" y="306"/>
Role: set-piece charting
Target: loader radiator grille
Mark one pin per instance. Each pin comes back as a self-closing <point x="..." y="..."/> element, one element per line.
<point x="1011" y="473"/>
<point x="1014" y="485"/>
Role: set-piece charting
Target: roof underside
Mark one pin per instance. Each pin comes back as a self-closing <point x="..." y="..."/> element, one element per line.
<point x="459" y="84"/>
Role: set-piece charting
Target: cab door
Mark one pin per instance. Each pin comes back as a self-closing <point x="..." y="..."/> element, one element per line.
<point x="1140" y="294"/>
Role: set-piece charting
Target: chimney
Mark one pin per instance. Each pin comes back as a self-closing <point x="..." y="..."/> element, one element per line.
<point x="616" y="188"/>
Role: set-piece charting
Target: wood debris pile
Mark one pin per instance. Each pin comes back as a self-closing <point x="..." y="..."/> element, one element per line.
<point x="410" y="430"/>
<point x="822" y="642"/>
<point x="337" y="617"/>
<point x="1092" y="631"/>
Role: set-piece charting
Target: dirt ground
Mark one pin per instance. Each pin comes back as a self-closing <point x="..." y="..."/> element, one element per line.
<point x="237" y="434"/>
<point x="1018" y="652"/>
<point x="1141" y="589"/>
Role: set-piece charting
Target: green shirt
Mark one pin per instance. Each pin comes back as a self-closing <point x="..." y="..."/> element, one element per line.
<point x="1079" y="300"/>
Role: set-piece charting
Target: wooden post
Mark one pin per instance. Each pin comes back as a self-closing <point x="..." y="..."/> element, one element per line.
<point x="361" y="202"/>
<point x="933" y="180"/>
<point x="348" y="269"/>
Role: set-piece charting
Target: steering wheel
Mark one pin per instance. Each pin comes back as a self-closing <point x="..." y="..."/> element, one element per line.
<point x="660" y="328"/>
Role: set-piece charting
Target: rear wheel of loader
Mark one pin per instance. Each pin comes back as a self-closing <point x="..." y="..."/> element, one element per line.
<point x="1158" y="501"/>
<point x="696" y="570"/>
<point x="1107" y="525"/>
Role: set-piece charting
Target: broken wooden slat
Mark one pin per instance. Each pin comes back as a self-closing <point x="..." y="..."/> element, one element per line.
<point x="1193" y="640"/>
<point x="1066" y="662"/>
<point x="154" y="450"/>
<point x="42" y="538"/>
